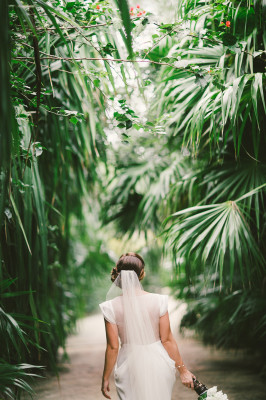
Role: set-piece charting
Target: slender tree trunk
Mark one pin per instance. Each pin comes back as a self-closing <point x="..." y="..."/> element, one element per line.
<point x="6" y="111"/>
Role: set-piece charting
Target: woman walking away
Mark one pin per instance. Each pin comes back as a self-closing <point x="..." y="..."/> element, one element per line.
<point x="146" y="364"/>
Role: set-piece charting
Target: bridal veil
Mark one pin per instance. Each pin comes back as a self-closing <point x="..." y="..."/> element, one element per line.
<point x="144" y="370"/>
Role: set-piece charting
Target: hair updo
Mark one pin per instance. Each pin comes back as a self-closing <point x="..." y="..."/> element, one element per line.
<point x="129" y="262"/>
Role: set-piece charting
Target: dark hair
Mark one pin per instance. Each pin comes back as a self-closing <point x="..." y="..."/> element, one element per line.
<point x="129" y="262"/>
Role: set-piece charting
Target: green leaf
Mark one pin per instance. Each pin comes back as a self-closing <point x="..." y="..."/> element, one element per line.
<point x="19" y="221"/>
<point x="108" y="49"/>
<point x="228" y="39"/>
<point x="124" y="10"/>
<point x="128" y="124"/>
<point x="96" y="82"/>
<point x="223" y="235"/>
<point x="147" y="82"/>
<point x="145" y="21"/>
<point x="73" y="120"/>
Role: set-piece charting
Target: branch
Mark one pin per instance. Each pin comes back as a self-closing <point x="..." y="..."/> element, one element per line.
<point x="159" y="40"/>
<point x="81" y="26"/>
<point x="55" y="58"/>
<point x="38" y="88"/>
<point x="215" y="41"/>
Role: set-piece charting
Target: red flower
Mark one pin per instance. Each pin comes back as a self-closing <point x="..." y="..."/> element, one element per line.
<point x="139" y="14"/>
<point x="138" y="6"/>
<point x="143" y="12"/>
<point x="228" y="23"/>
<point x="131" y="9"/>
<point x="98" y="7"/>
<point x="222" y="23"/>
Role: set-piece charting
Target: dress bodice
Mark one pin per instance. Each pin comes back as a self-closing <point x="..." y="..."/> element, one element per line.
<point x="155" y="305"/>
<point x="144" y="369"/>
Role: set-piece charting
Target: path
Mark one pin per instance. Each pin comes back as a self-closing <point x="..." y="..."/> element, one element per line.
<point x="81" y="378"/>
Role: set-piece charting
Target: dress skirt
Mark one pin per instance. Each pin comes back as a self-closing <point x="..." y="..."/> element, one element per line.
<point x="149" y="374"/>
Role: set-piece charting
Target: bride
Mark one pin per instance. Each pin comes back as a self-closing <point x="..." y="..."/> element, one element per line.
<point x="147" y="361"/>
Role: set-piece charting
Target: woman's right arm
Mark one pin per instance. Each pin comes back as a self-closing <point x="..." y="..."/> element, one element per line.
<point x="110" y="355"/>
<point x="171" y="347"/>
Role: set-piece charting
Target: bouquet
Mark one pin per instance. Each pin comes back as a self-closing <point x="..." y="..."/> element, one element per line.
<point x="208" y="394"/>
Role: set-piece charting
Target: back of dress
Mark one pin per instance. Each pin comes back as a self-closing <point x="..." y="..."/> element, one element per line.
<point x="152" y="305"/>
<point x="144" y="370"/>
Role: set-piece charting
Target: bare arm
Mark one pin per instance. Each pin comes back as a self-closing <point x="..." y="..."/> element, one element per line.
<point x="110" y="355"/>
<point x="171" y="347"/>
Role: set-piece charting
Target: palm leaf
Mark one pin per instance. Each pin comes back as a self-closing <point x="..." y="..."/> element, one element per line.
<point x="14" y="377"/>
<point x="124" y="11"/>
<point x="217" y="233"/>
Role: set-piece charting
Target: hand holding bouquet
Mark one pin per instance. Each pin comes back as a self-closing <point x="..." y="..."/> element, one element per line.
<point x="208" y="394"/>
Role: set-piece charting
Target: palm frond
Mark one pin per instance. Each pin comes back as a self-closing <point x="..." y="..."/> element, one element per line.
<point x="219" y="234"/>
<point x="52" y="141"/>
<point x="16" y="377"/>
<point x="215" y="93"/>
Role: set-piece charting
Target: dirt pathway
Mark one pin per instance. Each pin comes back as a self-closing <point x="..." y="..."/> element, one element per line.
<point x="81" y="377"/>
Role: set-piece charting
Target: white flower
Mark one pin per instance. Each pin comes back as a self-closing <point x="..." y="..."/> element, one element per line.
<point x="223" y="396"/>
<point x="212" y="391"/>
<point x="212" y="394"/>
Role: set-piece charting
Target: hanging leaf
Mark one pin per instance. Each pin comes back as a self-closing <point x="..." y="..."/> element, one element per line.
<point x="128" y="124"/>
<point x="228" y="39"/>
<point x="73" y="120"/>
<point x="108" y="49"/>
<point x="124" y="11"/>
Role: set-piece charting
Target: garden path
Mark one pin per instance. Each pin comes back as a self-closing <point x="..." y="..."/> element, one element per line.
<point x="80" y="378"/>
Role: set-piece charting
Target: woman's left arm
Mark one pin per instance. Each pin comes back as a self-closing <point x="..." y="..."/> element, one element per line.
<point x="111" y="352"/>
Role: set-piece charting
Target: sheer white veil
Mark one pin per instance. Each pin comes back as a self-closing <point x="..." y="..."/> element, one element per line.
<point x="139" y="335"/>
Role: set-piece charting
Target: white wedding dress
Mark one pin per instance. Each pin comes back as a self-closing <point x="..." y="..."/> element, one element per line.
<point x="144" y="370"/>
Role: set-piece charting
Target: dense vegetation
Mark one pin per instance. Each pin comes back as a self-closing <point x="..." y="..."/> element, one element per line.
<point x="191" y="167"/>
<point x="50" y="145"/>
<point x="205" y="179"/>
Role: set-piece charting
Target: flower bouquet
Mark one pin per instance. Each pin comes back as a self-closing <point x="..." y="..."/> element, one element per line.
<point x="208" y="394"/>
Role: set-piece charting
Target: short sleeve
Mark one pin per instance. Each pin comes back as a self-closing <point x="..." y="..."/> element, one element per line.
<point x="163" y="304"/>
<point x="107" y="310"/>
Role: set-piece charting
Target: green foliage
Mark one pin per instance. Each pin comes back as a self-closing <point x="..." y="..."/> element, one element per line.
<point x="51" y="143"/>
<point x="124" y="10"/>
<point x="216" y="91"/>
<point x="229" y="320"/>
<point x="206" y="177"/>
<point x="197" y="155"/>
<point x="139" y="188"/>
<point x="6" y="111"/>
<point x="14" y="377"/>
<point x="219" y="104"/>
<point x="221" y="235"/>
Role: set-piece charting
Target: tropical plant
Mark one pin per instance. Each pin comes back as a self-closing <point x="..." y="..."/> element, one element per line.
<point x="56" y="81"/>
<point x="215" y="105"/>
<point x="215" y="95"/>
<point x="219" y="315"/>
<point x="210" y="96"/>
<point x="196" y="160"/>
<point x="14" y="379"/>
<point x="14" y="376"/>
<point x="140" y="186"/>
